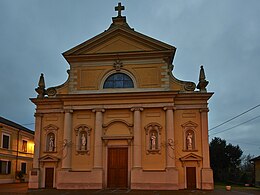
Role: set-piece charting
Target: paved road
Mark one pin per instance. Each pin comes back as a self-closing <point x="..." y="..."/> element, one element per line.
<point x="21" y="188"/>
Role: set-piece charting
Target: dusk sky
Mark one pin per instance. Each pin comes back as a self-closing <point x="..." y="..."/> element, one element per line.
<point x="222" y="35"/>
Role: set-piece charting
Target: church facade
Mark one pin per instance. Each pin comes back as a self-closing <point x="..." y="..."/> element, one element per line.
<point x="122" y="120"/>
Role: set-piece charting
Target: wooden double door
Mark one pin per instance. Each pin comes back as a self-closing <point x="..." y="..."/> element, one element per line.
<point x="117" y="168"/>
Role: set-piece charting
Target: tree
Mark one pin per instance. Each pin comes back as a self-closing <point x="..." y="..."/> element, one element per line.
<point x="225" y="160"/>
<point x="247" y="169"/>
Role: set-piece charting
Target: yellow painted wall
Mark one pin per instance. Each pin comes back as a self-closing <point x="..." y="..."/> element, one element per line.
<point x="155" y="161"/>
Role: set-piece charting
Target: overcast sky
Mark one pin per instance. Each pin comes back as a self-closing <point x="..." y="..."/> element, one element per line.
<point x="223" y="35"/>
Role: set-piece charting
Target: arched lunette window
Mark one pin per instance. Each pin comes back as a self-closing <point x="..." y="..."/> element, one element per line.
<point x="118" y="80"/>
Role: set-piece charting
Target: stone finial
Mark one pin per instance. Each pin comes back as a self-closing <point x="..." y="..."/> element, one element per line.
<point x="202" y="81"/>
<point x="41" y="87"/>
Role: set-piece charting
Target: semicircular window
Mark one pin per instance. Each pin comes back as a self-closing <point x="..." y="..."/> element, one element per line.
<point x="118" y="80"/>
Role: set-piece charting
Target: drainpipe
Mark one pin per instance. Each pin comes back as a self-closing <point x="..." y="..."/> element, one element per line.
<point x="17" y="152"/>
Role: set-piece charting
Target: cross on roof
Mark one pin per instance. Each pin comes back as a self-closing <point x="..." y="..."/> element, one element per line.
<point x="119" y="8"/>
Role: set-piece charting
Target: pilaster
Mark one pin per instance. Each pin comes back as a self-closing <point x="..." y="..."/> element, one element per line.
<point x="98" y="135"/>
<point x="137" y="157"/>
<point x="207" y="182"/>
<point x="34" y="174"/>
<point x="170" y="159"/>
<point x="67" y="142"/>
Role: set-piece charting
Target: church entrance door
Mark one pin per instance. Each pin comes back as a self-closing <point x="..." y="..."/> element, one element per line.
<point x="49" y="173"/>
<point x="117" y="168"/>
<point x="191" y="177"/>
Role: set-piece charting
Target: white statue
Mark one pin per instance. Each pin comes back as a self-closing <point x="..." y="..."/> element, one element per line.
<point x="189" y="141"/>
<point x="51" y="144"/>
<point x="83" y="142"/>
<point x="153" y="141"/>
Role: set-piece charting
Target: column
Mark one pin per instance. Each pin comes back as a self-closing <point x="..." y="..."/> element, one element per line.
<point x="67" y="142"/>
<point x="34" y="175"/>
<point x="37" y="139"/>
<point x="207" y="182"/>
<point x="205" y="137"/>
<point x="170" y="159"/>
<point x="98" y="135"/>
<point x="137" y="138"/>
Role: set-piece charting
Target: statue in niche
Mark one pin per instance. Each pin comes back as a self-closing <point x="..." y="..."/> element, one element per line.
<point x="83" y="142"/>
<point x="153" y="139"/>
<point x="51" y="144"/>
<point x="189" y="141"/>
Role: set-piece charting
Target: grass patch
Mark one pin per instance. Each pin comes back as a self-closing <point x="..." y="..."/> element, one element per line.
<point x="235" y="187"/>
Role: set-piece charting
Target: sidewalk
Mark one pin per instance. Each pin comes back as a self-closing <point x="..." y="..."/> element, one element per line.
<point x="21" y="188"/>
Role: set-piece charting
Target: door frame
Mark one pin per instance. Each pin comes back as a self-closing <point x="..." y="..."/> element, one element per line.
<point x="196" y="176"/>
<point x="54" y="176"/>
<point x="128" y="164"/>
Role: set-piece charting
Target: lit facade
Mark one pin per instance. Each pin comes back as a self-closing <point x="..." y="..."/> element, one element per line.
<point x="122" y="120"/>
<point x="16" y="151"/>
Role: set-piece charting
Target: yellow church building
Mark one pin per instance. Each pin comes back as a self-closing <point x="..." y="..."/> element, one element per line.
<point x="122" y="120"/>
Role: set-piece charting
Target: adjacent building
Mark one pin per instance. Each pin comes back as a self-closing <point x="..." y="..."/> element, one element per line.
<point x="122" y="120"/>
<point x="16" y="151"/>
<point x="256" y="162"/>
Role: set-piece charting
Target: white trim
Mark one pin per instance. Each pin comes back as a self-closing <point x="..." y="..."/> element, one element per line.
<point x="5" y="160"/>
<point x="44" y="175"/>
<point x="9" y="141"/>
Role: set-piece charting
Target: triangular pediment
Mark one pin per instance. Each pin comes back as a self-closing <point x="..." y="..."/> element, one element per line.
<point x="48" y="158"/>
<point x="119" y="40"/>
<point x="191" y="157"/>
<point x="189" y="124"/>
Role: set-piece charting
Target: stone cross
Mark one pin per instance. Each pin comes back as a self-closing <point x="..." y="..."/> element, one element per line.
<point x="119" y="8"/>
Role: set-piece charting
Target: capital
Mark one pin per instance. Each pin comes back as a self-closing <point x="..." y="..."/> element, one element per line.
<point x="204" y="110"/>
<point x="68" y="111"/>
<point x="98" y="110"/>
<point x="137" y="109"/>
<point x="38" y="115"/>
<point x="169" y="108"/>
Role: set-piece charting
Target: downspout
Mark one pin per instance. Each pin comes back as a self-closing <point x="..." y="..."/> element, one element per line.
<point x="17" y="152"/>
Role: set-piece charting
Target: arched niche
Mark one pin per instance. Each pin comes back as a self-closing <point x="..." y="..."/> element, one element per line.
<point x="51" y="132"/>
<point x="82" y="138"/>
<point x="189" y="136"/>
<point x="153" y="138"/>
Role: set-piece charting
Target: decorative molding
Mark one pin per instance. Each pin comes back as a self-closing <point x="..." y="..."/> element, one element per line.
<point x="153" y="114"/>
<point x="204" y="110"/>
<point x="118" y="65"/>
<point x="129" y="125"/>
<point x="68" y="110"/>
<point x="118" y="137"/>
<point x="189" y="86"/>
<point x="51" y="127"/>
<point x="169" y="108"/>
<point x="189" y="136"/>
<point x="82" y="135"/>
<point x="137" y="109"/>
<point x="189" y="124"/>
<point x="38" y="115"/>
<point x="48" y="159"/>
<point x="98" y="110"/>
<point x="189" y="158"/>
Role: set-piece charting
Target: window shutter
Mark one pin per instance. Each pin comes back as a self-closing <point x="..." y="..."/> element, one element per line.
<point x="0" y="166"/>
<point x="9" y="167"/>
